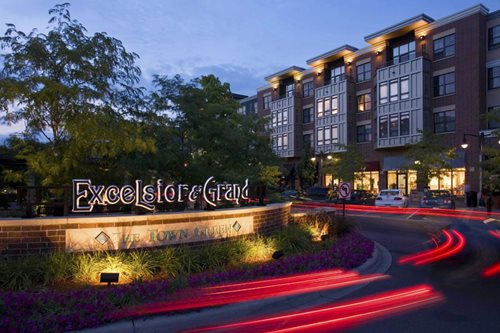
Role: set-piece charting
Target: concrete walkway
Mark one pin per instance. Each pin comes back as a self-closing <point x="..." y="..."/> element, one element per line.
<point x="379" y="262"/>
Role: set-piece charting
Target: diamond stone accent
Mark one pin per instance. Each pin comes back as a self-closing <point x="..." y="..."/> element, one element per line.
<point x="102" y="238"/>
<point x="236" y="226"/>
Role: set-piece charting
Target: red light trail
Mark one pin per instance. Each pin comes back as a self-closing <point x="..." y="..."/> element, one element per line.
<point x="252" y="290"/>
<point x="454" y="213"/>
<point x="337" y="316"/>
<point x="447" y="249"/>
<point x="494" y="233"/>
<point x="492" y="271"/>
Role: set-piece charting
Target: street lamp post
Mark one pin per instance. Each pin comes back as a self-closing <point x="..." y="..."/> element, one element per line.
<point x="319" y="160"/>
<point x="465" y="145"/>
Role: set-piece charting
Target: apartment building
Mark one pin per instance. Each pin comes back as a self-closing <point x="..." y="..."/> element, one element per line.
<point x="417" y="75"/>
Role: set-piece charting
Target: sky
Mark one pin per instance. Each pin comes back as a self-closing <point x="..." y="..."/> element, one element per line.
<point x="240" y="41"/>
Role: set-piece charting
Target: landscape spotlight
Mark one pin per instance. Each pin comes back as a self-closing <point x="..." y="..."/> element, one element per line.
<point x="109" y="278"/>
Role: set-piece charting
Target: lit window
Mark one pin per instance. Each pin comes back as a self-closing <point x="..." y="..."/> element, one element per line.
<point x="335" y="105"/>
<point x="327" y="106"/>
<point x="320" y="136"/>
<point x="364" y="102"/>
<point x="338" y="74"/>
<point x="383" y="93"/>
<point x="327" y="134"/>
<point x="405" y="87"/>
<point x="335" y="134"/>
<point x="393" y="88"/>
<point x="320" y="108"/>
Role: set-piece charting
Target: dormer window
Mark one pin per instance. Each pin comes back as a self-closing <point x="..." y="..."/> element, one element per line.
<point x="338" y="74"/>
<point x="403" y="52"/>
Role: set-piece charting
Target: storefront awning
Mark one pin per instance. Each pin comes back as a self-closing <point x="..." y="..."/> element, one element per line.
<point x="394" y="163"/>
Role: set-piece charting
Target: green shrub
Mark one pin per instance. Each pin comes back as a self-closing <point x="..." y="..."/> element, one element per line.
<point x="60" y="267"/>
<point x="293" y="239"/>
<point x="141" y="265"/>
<point x="168" y="262"/>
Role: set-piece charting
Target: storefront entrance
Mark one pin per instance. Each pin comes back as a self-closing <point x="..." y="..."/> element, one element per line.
<point x="402" y="180"/>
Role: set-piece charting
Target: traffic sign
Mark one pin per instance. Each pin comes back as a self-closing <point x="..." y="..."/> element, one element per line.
<point x="344" y="190"/>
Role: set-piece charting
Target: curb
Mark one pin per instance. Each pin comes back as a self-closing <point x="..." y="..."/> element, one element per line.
<point x="379" y="262"/>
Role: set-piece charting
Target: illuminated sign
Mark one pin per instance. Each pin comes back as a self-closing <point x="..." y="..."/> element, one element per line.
<point x="86" y="195"/>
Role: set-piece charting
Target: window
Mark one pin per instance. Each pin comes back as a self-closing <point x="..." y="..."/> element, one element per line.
<point x="393" y="125"/>
<point x="444" y="47"/>
<point x="320" y="136"/>
<point x="444" y="121"/>
<point x="280" y="118"/>
<point x="338" y="74"/>
<point x="327" y="106"/>
<point x="280" y="142"/>
<point x="275" y="119"/>
<point x="403" y="53"/>
<point x="364" y="102"/>
<point x="494" y="37"/>
<point x="364" y="133"/>
<point x="308" y="89"/>
<point x="267" y="101"/>
<point x="382" y="127"/>
<point x="363" y="72"/>
<point x="327" y="134"/>
<point x="393" y="88"/>
<point x="445" y="84"/>
<point x="308" y="116"/>
<point x="307" y="141"/>
<point x="405" y="87"/>
<point x="383" y="93"/>
<point x="404" y="123"/>
<point x="494" y="77"/>
<point x="285" y="141"/>
<point x="290" y="89"/>
<point x="320" y="108"/>
<point x="335" y="134"/>
<point x="285" y="116"/>
<point x="494" y="117"/>
<point x="335" y="105"/>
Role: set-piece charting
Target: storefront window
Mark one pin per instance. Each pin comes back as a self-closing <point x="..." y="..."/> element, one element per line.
<point x="367" y="180"/>
<point x="452" y="181"/>
<point x="402" y="180"/>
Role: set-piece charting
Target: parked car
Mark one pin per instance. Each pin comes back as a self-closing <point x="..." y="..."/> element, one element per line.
<point x="362" y="197"/>
<point x="394" y="198"/>
<point x="317" y="193"/>
<point x="437" y="199"/>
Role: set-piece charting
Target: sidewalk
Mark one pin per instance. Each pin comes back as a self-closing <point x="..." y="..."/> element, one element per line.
<point x="379" y="263"/>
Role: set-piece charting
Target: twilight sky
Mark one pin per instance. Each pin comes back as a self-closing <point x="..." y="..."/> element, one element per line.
<point x="241" y="41"/>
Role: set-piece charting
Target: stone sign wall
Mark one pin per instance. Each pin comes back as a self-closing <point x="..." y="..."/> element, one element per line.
<point x="106" y="232"/>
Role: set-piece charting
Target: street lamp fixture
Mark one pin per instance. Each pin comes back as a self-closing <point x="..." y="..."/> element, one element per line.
<point x="329" y="157"/>
<point x="464" y="143"/>
<point x="313" y="159"/>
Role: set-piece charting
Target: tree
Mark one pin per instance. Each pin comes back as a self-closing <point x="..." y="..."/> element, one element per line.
<point x="212" y="138"/>
<point x="345" y="165"/>
<point x="72" y="91"/>
<point x="429" y="157"/>
<point x="307" y="169"/>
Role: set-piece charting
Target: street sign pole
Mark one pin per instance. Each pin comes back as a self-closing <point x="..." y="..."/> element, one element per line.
<point x="344" y="192"/>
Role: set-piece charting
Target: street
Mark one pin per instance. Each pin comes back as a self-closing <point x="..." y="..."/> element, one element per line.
<point x="471" y="302"/>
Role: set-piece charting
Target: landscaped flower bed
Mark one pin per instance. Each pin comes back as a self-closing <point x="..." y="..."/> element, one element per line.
<point x="51" y="310"/>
